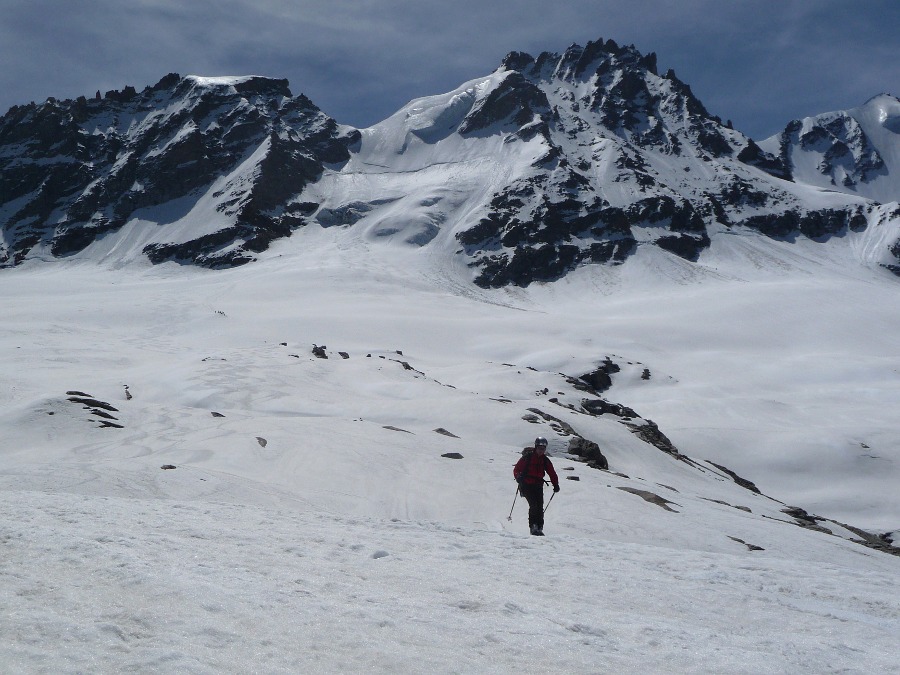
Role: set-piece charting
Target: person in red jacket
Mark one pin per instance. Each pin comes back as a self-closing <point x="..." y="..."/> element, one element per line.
<point x="529" y="474"/>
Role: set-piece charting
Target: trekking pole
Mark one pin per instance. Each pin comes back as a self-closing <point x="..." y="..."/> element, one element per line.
<point x="514" y="505"/>
<point x="548" y="502"/>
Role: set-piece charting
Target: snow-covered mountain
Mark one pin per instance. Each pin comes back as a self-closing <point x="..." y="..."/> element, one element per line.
<point x="854" y="151"/>
<point x="558" y="161"/>
<point x="198" y="169"/>
<point x="546" y="165"/>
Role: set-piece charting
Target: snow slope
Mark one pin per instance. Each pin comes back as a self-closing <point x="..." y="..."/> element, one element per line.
<point x="312" y="520"/>
<point x="181" y="586"/>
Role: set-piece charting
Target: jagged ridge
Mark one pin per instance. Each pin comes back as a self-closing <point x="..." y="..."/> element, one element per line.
<point x="558" y="161"/>
<point x="72" y="171"/>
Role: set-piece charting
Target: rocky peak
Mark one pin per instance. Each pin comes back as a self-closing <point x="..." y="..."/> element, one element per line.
<point x="622" y="88"/>
<point x="605" y="105"/>
<point x="577" y="61"/>
<point x="515" y="101"/>
<point x="580" y="63"/>
<point x="71" y="171"/>
<point x="517" y="61"/>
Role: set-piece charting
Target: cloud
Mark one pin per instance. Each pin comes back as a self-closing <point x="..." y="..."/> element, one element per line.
<point x="759" y="63"/>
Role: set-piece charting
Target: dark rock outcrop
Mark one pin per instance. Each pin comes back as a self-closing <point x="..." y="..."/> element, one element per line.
<point x="589" y="451"/>
<point x="743" y="482"/>
<point x="651" y="497"/>
<point x="601" y="379"/>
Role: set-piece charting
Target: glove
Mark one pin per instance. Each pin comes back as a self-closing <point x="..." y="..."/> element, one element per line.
<point x="556" y="488"/>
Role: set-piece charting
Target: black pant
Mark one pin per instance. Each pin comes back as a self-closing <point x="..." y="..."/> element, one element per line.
<point x="534" y="495"/>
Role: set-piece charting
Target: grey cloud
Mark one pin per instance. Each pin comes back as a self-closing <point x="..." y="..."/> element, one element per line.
<point x="758" y="63"/>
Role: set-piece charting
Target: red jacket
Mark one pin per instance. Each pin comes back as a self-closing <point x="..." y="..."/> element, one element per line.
<point x="531" y="467"/>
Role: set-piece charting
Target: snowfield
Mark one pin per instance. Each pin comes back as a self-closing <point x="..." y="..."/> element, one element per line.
<point x="99" y="584"/>
<point x="312" y="521"/>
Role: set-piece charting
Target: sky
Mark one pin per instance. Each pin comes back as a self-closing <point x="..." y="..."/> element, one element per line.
<point x="758" y="63"/>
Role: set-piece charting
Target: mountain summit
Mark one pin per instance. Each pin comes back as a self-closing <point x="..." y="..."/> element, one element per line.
<point x="548" y="164"/>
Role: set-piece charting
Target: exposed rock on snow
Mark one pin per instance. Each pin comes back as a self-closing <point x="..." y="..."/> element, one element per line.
<point x="651" y="497"/>
<point x="743" y="482"/>
<point x="98" y="409"/>
<point x="750" y="547"/>
<point x="589" y="451"/>
<point x="391" y="427"/>
<point x="601" y="379"/>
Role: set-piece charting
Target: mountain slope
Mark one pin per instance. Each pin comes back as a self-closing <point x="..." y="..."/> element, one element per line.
<point x="305" y="463"/>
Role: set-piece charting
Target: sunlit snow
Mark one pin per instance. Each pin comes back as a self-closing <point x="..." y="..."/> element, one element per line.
<point x="312" y="522"/>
